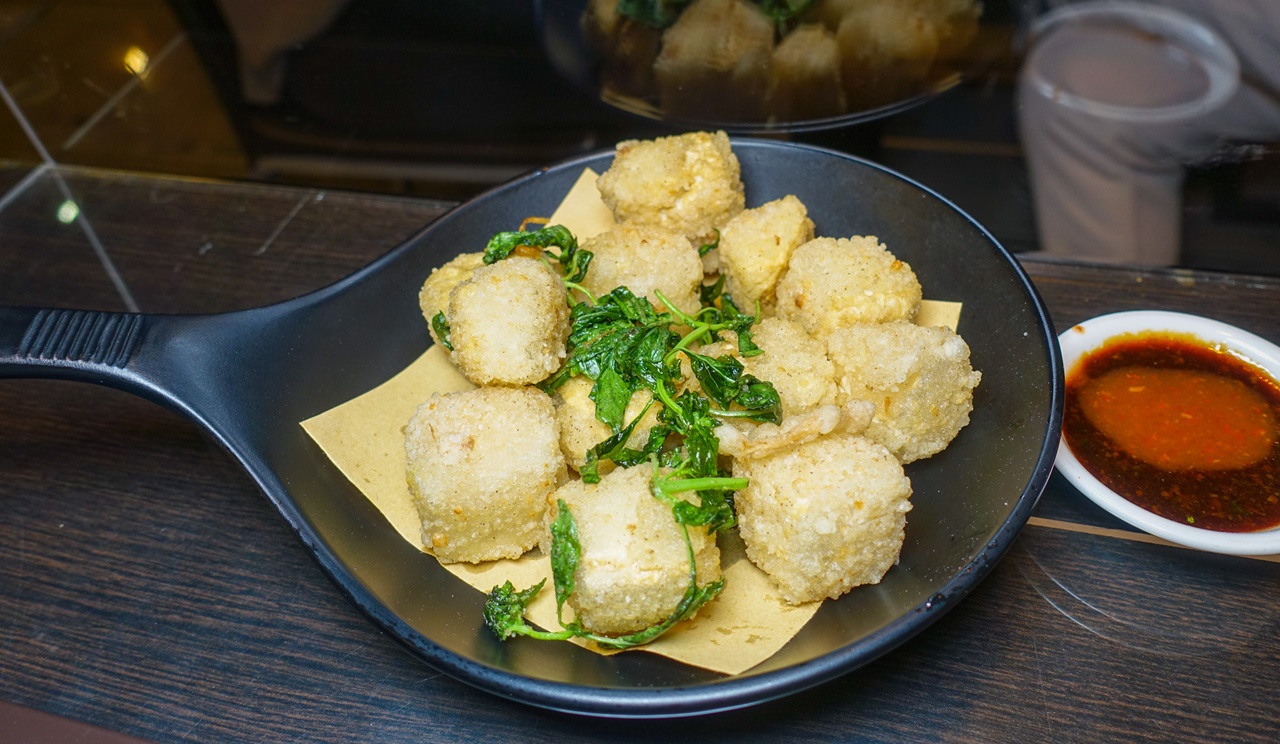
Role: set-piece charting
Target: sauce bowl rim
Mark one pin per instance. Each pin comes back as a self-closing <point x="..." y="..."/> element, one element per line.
<point x="1089" y="335"/>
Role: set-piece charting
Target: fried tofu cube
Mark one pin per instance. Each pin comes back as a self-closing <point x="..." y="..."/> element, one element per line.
<point x="434" y="296"/>
<point x="756" y="246"/>
<point x="509" y="323"/>
<point x="958" y="23"/>
<point x="625" y="47"/>
<point x="634" y="567"/>
<point x="887" y="51"/>
<point x="795" y="362"/>
<point x="823" y="517"/>
<point x="690" y="184"/>
<point x="646" y="260"/>
<point x="919" y="379"/>
<point x="832" y="283"/>
<point x="581" y="429"/>
<point x="481" y="464"/>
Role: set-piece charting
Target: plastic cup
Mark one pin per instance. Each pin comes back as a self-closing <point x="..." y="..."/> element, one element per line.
<point x="1129" y="61"/>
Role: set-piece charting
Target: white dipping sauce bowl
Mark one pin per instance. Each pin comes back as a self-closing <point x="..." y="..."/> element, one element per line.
<point x="1088" y="336"/>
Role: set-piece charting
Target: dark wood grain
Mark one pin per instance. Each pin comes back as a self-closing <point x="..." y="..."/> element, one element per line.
<point x="1076" y="292"/>
<point x="147" y="587"/>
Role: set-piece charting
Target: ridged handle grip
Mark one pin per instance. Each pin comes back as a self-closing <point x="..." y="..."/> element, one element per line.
<point x="89" y="345"/>
<point x="80" y="337"/>
<point x="179" y="361"/>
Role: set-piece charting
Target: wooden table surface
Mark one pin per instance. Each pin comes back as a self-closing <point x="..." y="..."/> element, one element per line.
<point x="148" y="588"/>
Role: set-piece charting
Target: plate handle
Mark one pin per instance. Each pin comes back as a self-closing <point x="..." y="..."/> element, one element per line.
<point x="134" y="352"/>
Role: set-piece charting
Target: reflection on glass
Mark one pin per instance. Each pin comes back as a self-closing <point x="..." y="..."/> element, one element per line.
<point x="136" y="62"/>
<point x="766" y="61"/>
<point x="68" y="211"/>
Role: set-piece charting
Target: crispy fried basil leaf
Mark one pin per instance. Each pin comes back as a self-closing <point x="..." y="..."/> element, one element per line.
<point x="501" y="245"/>
<point x="573" y="261"/>
<point x="694" y="598"/>
<point x="611" y="394"/>
<point x="646" y="361"/>
<point x="724" y="382"/>
<point x="761" y="399"/>
<point x="505" y="607"/>
<point x="440" y="325"/>
<point x="615" y="448"/>
<point x="691" y="418"/>
<point x="741" y="325"/>
<point x="706" y="248"/>
<point x="566" y="551"/>
<point x="622" y="333"/>
<point x="714" y="507"/>
<point x="702" y="449"/>
<point x="719" y="376"/>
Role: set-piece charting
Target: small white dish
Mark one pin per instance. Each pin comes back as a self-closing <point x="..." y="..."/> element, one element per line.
<point x="1091" y="334"/>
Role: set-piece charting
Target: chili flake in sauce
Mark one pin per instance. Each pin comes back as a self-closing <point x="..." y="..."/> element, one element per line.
<point x="1182" y="428"/>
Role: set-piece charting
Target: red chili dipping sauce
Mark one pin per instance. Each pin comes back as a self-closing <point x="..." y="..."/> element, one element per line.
<point x="1184" y="429"/>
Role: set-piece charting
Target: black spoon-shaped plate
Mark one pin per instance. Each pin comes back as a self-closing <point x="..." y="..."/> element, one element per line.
<point x="250" y="377"/>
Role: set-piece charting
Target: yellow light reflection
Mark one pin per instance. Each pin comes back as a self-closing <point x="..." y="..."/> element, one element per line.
<point x="67" y="212"/>
<point x="136" y="61"/>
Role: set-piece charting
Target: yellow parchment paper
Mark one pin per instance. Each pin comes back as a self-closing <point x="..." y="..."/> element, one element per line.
<point x="364" y="437"/>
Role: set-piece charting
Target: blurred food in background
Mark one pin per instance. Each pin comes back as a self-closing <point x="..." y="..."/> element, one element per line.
<point x="774" y="61"/>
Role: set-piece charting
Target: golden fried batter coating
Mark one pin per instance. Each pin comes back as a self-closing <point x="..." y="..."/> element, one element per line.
<point x="625" y="47"/>
<point x="634" y="566"/>
<point x="919" y="379"/>
<point x="795" y="362"/>
<point x="716" y="61"/>
<point x="509" y="323"/>
<point x="646" y="260"/>
<point x="434" y="295"/>
<point x="481" y="464"/>
<point x="887" y="50"/>
<point x="806" y="75"/>
<point x="689" y="184"/>
<point x="580" y="429"/>
<point x="755" y="247"/>
<point x="823" y="517"/>
<point x="831" y="283"/>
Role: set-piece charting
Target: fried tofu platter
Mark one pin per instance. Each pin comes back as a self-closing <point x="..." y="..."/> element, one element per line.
<point x="704" y="367"/>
